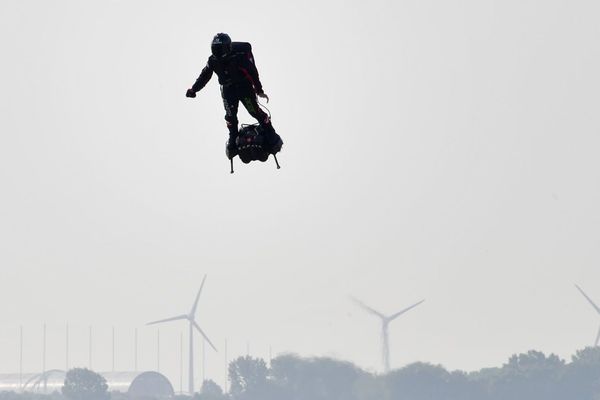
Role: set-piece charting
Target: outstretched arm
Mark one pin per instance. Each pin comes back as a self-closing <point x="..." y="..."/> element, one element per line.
<point x="202" y="80"/>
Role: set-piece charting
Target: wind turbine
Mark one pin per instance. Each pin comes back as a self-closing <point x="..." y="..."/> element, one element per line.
<point x="595" y="307"/>
<point x="193" y="324"/>
<point x="385" y="322"/>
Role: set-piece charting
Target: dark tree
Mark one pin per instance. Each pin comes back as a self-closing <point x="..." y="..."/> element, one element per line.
<point x="369" y="387"/>
<point x="529" y="376"/>
<point x="582" y="376"/>
<point x="419" y="381"/>
<point x="210" y="391"/>
<point x="83" y="384"/>
<point x="317" y="379"/>
<point x="248" y="377"/>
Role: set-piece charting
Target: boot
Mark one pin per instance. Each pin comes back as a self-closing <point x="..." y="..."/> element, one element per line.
<point x="231" y="149"/>
<point x="272" y="139"/>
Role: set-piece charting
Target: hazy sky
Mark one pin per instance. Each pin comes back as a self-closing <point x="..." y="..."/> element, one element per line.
<point x="445" y="150"/>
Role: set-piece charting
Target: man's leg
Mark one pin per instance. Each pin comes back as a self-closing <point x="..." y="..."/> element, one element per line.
<point x="231" y="102"/>
<point x="250" y="102"/>
<point x="273" y="141"/>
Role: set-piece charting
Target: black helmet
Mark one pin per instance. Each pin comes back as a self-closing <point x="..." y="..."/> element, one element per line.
<point x="221" y="45"/>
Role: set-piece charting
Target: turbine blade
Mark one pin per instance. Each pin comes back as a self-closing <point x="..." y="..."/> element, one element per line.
<point x="193" y="312"/>
<point x="597" y="339"/>
<point x="168" y="319"/>
<point x="588" y="299"/>
<point x="399" y="313"/>
<point x="204" y="335"/>
<point x="367" y="308"/>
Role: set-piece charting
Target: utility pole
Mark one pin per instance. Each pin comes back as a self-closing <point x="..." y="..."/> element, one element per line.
<point x="181" y="362"/>
<point x="135" y="356"/>
<point x="67" y="348"/>
<point x="226" y="369"/>
<point x="113" y="349"/>
<point x="44" y="351"/>
<point x="21" y="359"/>
<point x="90" y="349"/>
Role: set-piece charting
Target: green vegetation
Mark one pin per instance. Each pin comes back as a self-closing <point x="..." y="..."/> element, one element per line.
<point x="529" y="376"/>
<point x="83" y="384"/>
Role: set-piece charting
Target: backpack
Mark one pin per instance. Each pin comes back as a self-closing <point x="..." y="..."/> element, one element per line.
<point x="243" y="47"/>
<point x="254" y="144"/>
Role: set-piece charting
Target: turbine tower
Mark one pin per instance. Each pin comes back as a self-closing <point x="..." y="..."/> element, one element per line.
<point x="191" y="318"/>
<point x="385" y="322"/>
<point x="595" y="307"/>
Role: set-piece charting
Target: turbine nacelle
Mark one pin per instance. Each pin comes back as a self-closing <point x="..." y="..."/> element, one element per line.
<point x="385" y="318"/>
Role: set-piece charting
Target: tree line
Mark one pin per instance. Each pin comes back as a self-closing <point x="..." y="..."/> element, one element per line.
<point x="527" y="376"/>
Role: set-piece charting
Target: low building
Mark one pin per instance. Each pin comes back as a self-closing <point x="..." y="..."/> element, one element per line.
<point x="137" y="385"/>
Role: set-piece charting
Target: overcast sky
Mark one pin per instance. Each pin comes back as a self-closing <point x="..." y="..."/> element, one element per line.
<point x="445" y="150"/>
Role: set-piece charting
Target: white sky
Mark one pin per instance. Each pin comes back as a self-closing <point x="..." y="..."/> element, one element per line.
<point x="445" y="150"/>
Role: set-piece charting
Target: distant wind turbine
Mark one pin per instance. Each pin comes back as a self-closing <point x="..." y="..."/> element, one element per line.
<point x="193" y="324"/>
<point x="595" y="307"/>
<point x="385" y="322"/>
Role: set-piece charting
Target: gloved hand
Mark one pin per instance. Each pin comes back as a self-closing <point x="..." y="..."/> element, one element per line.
<point x="190" y="93"/>
<point x="263" y="95"/>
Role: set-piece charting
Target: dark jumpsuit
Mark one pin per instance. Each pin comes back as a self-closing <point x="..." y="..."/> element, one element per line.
<point x="239" y="81"/>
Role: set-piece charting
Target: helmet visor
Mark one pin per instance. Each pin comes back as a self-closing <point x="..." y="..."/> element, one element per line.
<point x="220" y="49"/>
